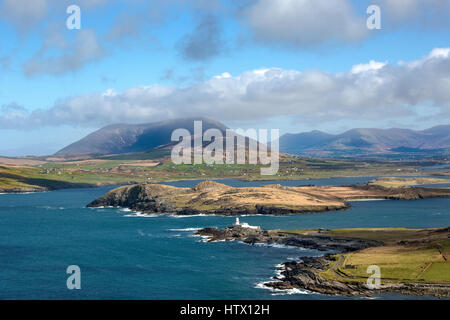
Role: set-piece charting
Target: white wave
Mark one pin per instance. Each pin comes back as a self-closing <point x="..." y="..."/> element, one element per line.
<point x="189" y="216"/>
<point x="203" y="238"/>
<point x="291" y="292"/>
<point x="29" y="192"/>
<point x="207" y="239"/>
<point x="50" y="208"/>
<point x="364" y="200"/>
<point x="138" y="214"/>
<point x="292" y="258"/>
<point x="177" y="235"/>
<point x="126" y="210"/>
<point x="279" y="271"/>
<point x="185" y="229"/>
<point x="277" y="245"/>
<point x="280" y="292"/>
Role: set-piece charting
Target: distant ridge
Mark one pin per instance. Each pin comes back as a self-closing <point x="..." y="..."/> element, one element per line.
<point x="367" y="142"/>
<point x="119" y="139"/>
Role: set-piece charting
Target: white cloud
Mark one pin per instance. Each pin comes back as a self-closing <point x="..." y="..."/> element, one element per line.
<point x="375" y="91"/>
<point x="223" y="76"/>
<point x="365" y="67"/>
<point x="439" y="53"/>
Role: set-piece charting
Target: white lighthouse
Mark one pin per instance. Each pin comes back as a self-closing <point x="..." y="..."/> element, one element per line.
<point x="245" y="225"/>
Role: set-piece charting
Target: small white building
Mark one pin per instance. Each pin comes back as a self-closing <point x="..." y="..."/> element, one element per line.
<point x="245" y="225"/>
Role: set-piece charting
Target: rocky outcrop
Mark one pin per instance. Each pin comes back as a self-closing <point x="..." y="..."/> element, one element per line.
<point x="146" y="198"/>
<point x="24" y="190"/>
<point x="305" y="275"/>
<point x="317" y="242"/>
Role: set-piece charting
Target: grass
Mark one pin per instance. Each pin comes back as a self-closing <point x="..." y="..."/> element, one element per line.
<point x="408" y="255"/>
<point x="385" y="235"/>
<point x="437" y="271"/>
<point x="396" y="263"/>
<point x="394" y="182"/>
<point x="29" y="178"/>
<point x="149" y="155"/>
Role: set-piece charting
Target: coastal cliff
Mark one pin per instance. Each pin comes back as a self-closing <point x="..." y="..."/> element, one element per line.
<point x="210" y="197"/>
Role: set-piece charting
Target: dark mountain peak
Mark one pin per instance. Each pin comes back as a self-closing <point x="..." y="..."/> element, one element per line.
<point x="128" y="138"/>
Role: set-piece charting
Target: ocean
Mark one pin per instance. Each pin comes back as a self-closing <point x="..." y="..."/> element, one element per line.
<point x="123" y="256"/>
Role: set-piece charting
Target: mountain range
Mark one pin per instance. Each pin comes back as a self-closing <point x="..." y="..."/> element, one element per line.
<point x="368" y="142"/>
<point x="130" y="138"/>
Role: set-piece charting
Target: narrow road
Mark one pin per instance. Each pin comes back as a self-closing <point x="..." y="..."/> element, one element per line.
<point x="337" y="265"/>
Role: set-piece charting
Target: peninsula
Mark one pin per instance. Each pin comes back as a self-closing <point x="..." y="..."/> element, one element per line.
<point x="209" y="197"/>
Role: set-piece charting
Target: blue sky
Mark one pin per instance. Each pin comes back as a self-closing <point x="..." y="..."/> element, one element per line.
<point x="287" y="64"/>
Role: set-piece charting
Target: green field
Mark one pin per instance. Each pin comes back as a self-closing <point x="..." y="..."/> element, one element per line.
<point x="408" y="255"/>
<point x="117" y="170"/>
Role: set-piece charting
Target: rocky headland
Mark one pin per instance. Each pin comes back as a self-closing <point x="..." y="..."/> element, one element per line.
<point x="317" y="241"/>
<point x="210" y="197"/>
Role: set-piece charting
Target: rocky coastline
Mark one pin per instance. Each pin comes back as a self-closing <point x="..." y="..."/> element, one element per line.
<point x="23" y="190"/>
<point x="316" y="242"/>
<point x="305" y="273"/>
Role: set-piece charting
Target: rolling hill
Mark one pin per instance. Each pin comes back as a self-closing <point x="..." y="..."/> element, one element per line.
<point x="368" y="142"/>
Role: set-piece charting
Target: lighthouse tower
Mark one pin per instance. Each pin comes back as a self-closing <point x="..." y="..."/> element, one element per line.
<point x="245" y="225"/>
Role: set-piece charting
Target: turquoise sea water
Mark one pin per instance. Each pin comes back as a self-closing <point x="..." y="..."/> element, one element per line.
<point x="125" y="257"/>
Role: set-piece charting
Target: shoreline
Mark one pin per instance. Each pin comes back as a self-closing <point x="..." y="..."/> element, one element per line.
<point x="213" y="198"/>
<point x="305" y="273"/>
<point x="26" y="190"/>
